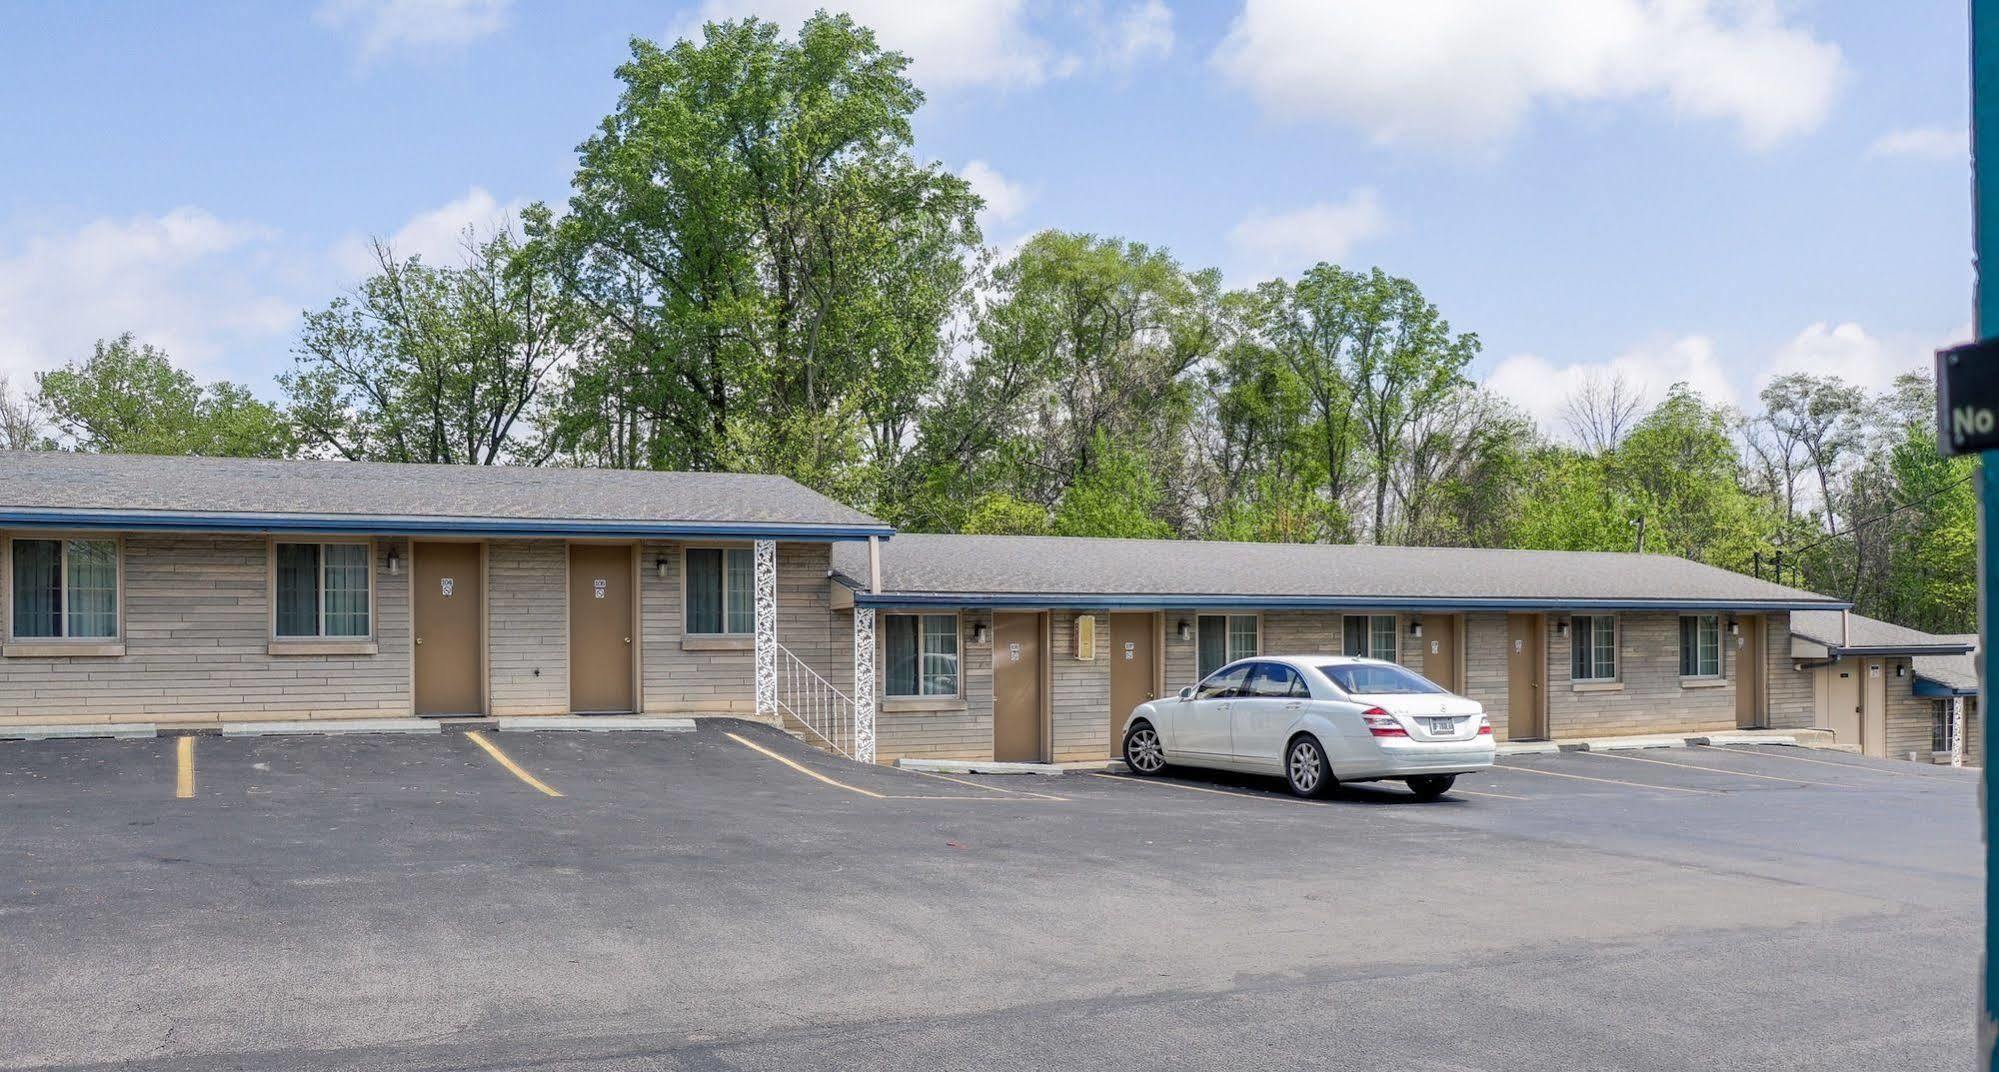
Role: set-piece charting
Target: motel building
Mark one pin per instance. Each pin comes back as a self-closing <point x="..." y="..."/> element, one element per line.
<point x="192" y="591"/>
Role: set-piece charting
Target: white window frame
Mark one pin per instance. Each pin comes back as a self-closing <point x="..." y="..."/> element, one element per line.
<point x="958" y="653"/>
<point x="1616" y="646"/>
<point x="1701" y="620"/>
<point x="1373" y="636"/>
<point x="725" y="548"/>
<point x="322" y="542"/>
<point x="1228" y="640"/>
<point x="117" y="543"/>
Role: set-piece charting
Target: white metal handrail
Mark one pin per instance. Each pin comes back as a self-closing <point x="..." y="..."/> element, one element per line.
<point x="811" y="701"/>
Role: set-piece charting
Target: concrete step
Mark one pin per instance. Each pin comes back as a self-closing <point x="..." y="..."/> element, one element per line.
<point x="329" y="726"/>
<point x="595" y="724"/>
<point x="63" y="731"/>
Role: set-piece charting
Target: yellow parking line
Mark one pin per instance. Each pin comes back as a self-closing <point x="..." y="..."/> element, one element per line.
<point x="808" y="771"/>
<point x="1613" y="781"/>
<point x="184" y="779"/>
<point x="1204" y="789"/>
<point x="1820" y="762"/>
<point x="514" y="768"/>
<point x="1717" y="770"/>
<point x="982" y="785"/>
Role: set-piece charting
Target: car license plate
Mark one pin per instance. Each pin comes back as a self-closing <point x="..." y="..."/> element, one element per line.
<point x="1443" y="725"/>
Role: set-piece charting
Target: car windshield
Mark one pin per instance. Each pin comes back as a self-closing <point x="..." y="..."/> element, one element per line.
<point x="1378" y="679"/>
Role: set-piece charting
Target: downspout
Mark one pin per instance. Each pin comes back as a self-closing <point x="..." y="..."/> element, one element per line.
<point x="874" y="565"/>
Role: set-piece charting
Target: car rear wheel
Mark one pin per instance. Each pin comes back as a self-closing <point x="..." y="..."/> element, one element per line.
<point x="1143" y="752"/>
<point x="1306" y="770"/>
<point x="1432" y="786"/>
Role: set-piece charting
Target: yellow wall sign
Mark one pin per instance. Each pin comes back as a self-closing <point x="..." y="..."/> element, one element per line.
<point x="1086" y="637"/>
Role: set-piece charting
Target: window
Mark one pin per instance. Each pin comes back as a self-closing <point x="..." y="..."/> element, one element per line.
<point x="1370" y="635"/>
<point x="1224" y="685"/>
<point x="922" y="654"/>
<point x="65" y="589"/>
<point x="1277" y="681"/>
<point x="1594" y="655"/>
<point x="1224" y="639"/>
<point x="1943" y="727"/>
<point x="1700" y="645"/>
<point x="1368" y="679"/>
<point x="721" y="590"/>
<point x="322" y="590"/>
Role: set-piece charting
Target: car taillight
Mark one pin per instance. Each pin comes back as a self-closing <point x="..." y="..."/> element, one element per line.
<point x="1484" y="726"/>
<point x="1382" y="724"/>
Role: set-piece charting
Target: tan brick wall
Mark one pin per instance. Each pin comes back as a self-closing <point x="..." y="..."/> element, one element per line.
<point x="1906" y="720"/>
<point x="961" y="730"/>
<point x="1792" y="700"/>
<point x="1485" y="640"/>
<point x="1650" y="697"/>
<point x="1079" y="699"/>
<point x="196" y="613"/>
<point x="527" y="637"/>
<point x="678" y="680"/>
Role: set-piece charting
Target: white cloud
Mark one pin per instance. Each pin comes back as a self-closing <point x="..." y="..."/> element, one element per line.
<point x="1470" y="71"/>
<point x="1540" y="386"/>
<point x="1326" y="231"/>
<point x="437" y="235"/>
<point x="385" y="26"/>
<point x="186" y="281"/>
<point x="1925" y="143"/>
<point x="1850" y="353"/>
<point x="978" y="42"/>
<point x="1005" y="198"/>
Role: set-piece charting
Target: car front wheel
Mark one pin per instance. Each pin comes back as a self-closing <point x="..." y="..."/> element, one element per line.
<point x="1143" y="752"/>
<point x="1432" y="786"/>
<point x="1306" y="769"/>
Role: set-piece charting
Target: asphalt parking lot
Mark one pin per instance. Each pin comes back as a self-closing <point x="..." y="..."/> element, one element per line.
<point x="732" y="899"/>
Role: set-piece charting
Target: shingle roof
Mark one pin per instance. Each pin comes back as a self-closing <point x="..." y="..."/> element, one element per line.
<point x="1957" y="673"/>
<point x="1026" y="570"/>
<point x="1872" y="635"/>
<point x="145" y="491"/>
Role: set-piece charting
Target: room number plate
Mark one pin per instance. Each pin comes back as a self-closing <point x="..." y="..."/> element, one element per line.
<point x="597" y="587"/>
<point x="444" y="586"/>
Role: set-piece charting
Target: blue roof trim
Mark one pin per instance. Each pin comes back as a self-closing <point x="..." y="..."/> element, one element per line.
<point x="1937" y="690"/>
<point x="1092" y="602"/>
<point x="351" y="525"/>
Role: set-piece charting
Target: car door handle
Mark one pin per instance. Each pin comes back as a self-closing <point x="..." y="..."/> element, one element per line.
<point x="1293" y="705"/>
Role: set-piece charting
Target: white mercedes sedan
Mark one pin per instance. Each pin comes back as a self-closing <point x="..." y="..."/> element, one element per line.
<point x="1317" y="721"/>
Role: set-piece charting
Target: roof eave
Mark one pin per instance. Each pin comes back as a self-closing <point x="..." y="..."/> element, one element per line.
<point x="1155" y="600"/>
<point x="370" y="525"/>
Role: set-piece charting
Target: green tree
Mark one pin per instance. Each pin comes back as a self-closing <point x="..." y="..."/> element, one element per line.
<point x="1115" y="496"/>
<point x="1000" y="514"/>
<point x="1572" y="501"/>
<point x="770" y="265"/>
<point x="435" y="364"/>
<point x="1681" y="469"/>
<point x="129" y="398"/>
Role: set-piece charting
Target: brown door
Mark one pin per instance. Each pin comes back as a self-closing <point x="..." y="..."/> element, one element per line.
<point x="449" y="607"/>
<point x="1134" y="669"/>
<point x="1873" y="726"/>
<point x="600" y="628"/>
<point x="1017" y="688"/>
<point x="1525" y="667"/>
<point x="1842" y="704"/>
<point x="1440" y="651"/>
<point x="1749" y="674"/>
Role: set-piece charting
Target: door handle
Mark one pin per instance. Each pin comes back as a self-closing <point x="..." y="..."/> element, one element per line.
<point x="419" y="640"/>
<point x="628" y="640"/>
<point x="1293" y="705"/>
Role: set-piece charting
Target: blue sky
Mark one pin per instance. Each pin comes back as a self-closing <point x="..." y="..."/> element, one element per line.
<point x="1714" y="190"/>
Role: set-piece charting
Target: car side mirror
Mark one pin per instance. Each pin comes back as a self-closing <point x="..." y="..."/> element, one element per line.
<point x="1187" y="693"/>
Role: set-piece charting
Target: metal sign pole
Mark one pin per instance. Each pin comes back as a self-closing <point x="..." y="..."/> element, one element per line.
<point x="1985" y="227"/>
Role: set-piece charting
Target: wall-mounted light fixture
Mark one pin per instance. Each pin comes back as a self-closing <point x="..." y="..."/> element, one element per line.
<point x="660" y="566"/>
<point x="1415" y="627"/>
<point x="978" y="632"/>
<point x="1734" y="627"/>
<point x="1901" y="671"/>
<point x="395" y="562"/>
<point x="1561" y="627"/>
<point x="1186" y="631"/>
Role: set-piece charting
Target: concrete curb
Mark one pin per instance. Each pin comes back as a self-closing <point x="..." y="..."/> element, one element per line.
<point x="1529" y="748"/>
<point x="594" y="724"/>
<point x="68" y="732"/>
<point x="983" y="766"/>
<point x="329" y="727"/>
<point x="1623" y="744"/>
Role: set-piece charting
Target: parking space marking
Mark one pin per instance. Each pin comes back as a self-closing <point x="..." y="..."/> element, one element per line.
<point x="184" y="774"/>
<point x="1614" y="781"/>
<point x="1820" y="762"/>
<point x="1717" y="770"/>
<point x="1204" y="789"/>
<point x="491" y="749"/>
<point x="992" y="788"/>
<point x="1489" y="793"/>
<point x="805" y="770"/>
